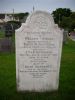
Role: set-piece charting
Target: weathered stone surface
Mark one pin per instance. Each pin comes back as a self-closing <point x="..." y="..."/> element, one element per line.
<point x="38" y="53"/>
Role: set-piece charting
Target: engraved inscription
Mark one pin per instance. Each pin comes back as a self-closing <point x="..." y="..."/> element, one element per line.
<point x="38" y="53"/>
<point x="38" y="48"/>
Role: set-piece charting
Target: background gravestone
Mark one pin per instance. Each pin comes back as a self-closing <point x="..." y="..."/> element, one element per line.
<point x="38" y="53"/>
<point x="65" y="36"/>
<point x="72" y="36"/>
<point x="6" y="45"/>
<point x="8" y="30"/>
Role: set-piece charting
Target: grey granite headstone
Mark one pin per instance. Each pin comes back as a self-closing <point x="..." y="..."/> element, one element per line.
<point x="5" y="45"/>
<point x="65" y="36"/>
<point x="38" y="53"/>
<point x="8" y="30"/>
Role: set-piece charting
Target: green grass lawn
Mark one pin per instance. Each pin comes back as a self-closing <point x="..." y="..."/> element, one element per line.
<point x="66" y="89"/>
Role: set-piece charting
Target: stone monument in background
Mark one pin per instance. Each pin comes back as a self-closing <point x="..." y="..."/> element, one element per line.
<point x="38" y="53"/>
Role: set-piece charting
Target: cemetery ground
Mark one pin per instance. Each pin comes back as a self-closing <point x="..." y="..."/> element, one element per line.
<point x="66" y="89"/>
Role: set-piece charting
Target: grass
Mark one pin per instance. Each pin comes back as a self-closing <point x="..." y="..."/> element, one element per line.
<point x="67" y="78"/>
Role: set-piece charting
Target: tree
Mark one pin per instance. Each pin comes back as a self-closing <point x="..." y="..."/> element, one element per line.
<point x="65" y="18"/>
<point x="68" y="22"/>
<point x="73" y="15"/>
<point x="72" y="25"/>
<point x="59" y="13"/>
<point x="21" y="15"/>
<point x="65" y="23"/>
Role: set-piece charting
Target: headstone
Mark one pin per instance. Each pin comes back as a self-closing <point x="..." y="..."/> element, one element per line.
<point x="5" y="45"/>
<point x="8" y="30"/>
<point x="38" y="53"/>
<point x="65" y="36"/>
<point x="72" y="36"/>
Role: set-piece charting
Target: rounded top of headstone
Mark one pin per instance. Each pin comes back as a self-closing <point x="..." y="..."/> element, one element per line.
<point x="40" y="20"/>
<point x="38" y="13"/>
